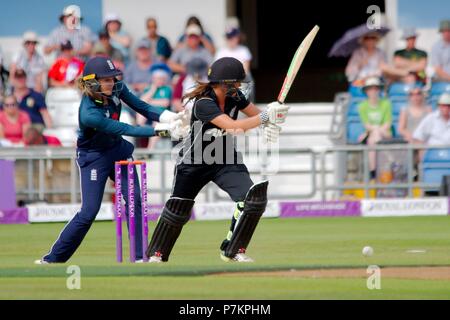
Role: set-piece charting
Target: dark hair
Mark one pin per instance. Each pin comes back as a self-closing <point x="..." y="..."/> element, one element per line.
<point x="201" y="90"/>
<point x="151" y="19"/>
<point x="103" y="34"/>
<point x="194" y="20"/>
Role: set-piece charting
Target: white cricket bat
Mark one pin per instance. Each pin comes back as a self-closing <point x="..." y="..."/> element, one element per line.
<point x="296" y="63"/>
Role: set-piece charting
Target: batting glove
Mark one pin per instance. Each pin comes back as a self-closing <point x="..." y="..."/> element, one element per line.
<point x="271" y="132"/>
<point x="275" y="113"/>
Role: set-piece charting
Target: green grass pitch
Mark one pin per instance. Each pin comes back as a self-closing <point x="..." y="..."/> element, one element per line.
<point x="194" y="270"/>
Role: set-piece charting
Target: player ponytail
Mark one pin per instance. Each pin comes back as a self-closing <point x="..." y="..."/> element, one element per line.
<point x="201" y="90"/>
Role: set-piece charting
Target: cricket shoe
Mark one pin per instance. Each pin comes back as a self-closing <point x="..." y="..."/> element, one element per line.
<point x="156" y="258"/>
<point x="239" y="257"/>
<point x="41" y="261"/>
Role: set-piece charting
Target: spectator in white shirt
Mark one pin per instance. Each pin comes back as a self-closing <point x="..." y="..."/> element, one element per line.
<point x="235" y="49"/>
<point x="29" y="60"/>
<point x="71" y="30"/>
<point x="435" y="128"/>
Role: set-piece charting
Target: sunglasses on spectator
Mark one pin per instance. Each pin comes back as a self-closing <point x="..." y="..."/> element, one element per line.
<point x="371" y="38"/>
<point x="415" y="93"/>
<point x="9" y="104"/>
<point x="30" y="42"/>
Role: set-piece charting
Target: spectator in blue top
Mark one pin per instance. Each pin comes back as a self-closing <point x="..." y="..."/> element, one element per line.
<point x="440" y="54"/>
<point x="161" y="49"/>
<point x="31" y="102"/>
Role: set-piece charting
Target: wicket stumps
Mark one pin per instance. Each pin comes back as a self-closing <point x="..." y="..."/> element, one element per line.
<point x="131" y="210"/>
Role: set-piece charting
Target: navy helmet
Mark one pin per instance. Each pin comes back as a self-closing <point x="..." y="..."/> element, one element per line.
<point x="100" y="67"/>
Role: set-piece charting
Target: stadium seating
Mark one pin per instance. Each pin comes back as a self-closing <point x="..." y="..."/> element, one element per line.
<point x="399" y="89"/>
<point x="352" y="110"/>
<point x="67" y="135"/>
<point x="438" y="88"/>
<point x="354" y="129"/>
<point x="356" y="92"/>
<point x="397" y="107"/>
<point x="62" y="105"/>
<point x="436" y="164"/>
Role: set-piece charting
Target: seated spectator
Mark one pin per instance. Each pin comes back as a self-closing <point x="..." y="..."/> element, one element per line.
<point x="411" y="59"/>
<point x="369" y="61"/>
<point x="183" y="55"/>
<point x="31" y="62"/>
<point x="13" y="122"/>
<point x="205" y="39"/>
<point x="434" y="129"/>
<point x="104" y="48"/>
<point x="71" y="30"/>
<point x="235" y="49"/>
<point x="413" y="114"/>
<point x="161" y="49"/>
<point x="196" y="71"/>
<point x="365" y="61"/>
<point x="119" y="39"/>
<point x="440" y="54"/>
<point x="137" y="74"/>
<point x="66" y="69"/>
<point x="376" y="116"/>
<point x="34" y="137"/>
<point x="31" y="102"/>
<point x="158" y="94"/>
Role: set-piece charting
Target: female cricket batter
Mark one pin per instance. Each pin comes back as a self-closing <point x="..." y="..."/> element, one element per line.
<point x="99" y="145"/>
<point x="208" y="154"/>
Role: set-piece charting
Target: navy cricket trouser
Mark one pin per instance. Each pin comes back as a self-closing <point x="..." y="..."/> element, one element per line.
<point x="95" y="168"/>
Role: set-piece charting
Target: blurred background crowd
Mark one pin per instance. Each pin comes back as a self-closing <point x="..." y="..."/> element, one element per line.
<point x="39" y="98"/>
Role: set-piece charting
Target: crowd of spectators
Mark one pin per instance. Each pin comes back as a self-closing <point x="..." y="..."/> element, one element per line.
<point x="419" y="119"/>
<point x="156" y="70"/>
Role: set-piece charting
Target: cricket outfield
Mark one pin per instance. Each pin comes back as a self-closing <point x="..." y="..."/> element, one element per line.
<point x="314" y="258"/>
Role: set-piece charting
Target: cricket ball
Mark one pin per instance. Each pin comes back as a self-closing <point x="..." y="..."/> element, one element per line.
<point x="367" y="251"/>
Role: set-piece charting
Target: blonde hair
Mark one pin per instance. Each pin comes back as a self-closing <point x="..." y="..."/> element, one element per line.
<point x="9" y="94"/>
<point x="87" y="90"/>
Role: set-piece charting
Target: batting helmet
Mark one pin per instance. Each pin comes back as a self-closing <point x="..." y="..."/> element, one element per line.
<point x="97" y="68"/>
<point x="100" y="67"/>
<point x="226" y="69"/>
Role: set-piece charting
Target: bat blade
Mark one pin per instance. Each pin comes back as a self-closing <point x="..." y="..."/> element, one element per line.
<point x="296" y="63"/>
